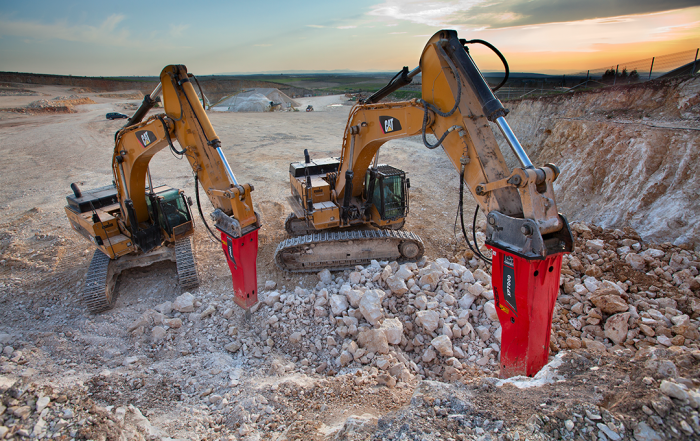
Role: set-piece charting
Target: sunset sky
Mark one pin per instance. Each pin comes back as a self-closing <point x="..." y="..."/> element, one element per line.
<point x="139" y="38"/>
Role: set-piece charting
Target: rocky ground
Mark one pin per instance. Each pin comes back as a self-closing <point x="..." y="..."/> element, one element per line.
<point x="387" y="351"/>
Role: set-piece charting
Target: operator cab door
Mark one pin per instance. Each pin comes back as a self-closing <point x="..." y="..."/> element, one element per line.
<point x="387" y="191"/>
<point x="172" y="213"/>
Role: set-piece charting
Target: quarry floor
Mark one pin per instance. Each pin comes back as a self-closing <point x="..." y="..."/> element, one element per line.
<point x="91" y="366"/>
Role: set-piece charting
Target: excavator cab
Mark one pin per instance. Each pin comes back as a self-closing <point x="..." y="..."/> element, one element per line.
<point x="172" y="212"/>
<point x="387" y="190"/>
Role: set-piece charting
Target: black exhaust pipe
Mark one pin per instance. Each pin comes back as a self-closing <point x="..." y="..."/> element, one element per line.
<point x="76" y="190"/>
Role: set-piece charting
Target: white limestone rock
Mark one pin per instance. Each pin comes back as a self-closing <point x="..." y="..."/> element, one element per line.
<point x="466" y="301"/>
<point x="431" y="279"/>
<point x="158" y="333"/>
<point x="396" y="285"/>
<point x="354" y="278"/>
<point x="354" y="296"/>
<point x="595" y="244"/>
<point x="674" y="390"/>
<point x="165" y="307"/>
<point x="325" y="277"/>
<point x="482" y="276"/>
<point x="490" y="310"/>
<point x="338" y="304"/>
<point x="295" y="337"/>
<point x="393" y="329"/>
<point x="371" y="307"/>
<point x="184" y="303"/>
<point x="443" y="345"/>
<point x="616" y="327"/>
<point x="404" y="273"/>
<point x="636" y="261"/>
<point x="483" y="332"/>
<point x="476" y="289"/>
<point x="373" y="340"/>
<point x="421" y="302"/>
<point x="468" y="277"/>
<point x="271" y="298"/>
<point x="428" y="320"/>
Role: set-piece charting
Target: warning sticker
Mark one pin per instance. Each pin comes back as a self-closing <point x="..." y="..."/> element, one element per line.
<point x="509" y="282"/>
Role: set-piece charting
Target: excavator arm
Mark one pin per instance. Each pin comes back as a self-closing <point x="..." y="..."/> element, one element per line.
<point x="185" y="120"/>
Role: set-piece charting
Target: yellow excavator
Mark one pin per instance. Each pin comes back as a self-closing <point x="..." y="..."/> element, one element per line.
<point x="133" y="222"/>
<point x="349" y="210"/>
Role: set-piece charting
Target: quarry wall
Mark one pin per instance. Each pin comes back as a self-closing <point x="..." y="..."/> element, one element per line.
<point x="629" y="155"/>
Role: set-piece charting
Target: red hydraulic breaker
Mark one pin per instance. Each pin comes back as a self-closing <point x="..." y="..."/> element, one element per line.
<point x="241" y="253"/>
<point x="525" y="291"/>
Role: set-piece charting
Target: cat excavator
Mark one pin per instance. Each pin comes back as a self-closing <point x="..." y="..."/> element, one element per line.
<point x="134" y="223"/>
<point x="349" y="210"/>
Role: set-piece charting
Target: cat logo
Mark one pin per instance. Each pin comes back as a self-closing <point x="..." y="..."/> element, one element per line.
<point x="146" y="137"/>
<point x="389" y="124"/>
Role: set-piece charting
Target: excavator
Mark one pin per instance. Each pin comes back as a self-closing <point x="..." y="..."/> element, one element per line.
<point x="349" y="210"/>
<point x="134" y="223"/>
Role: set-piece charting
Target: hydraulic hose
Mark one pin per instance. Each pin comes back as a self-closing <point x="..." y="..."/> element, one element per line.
<point x="170" y="141"/>
<point x="500" y="55"/>
<point x="199" y="208"/>
<point x="427" y="106"/>
<point x="475" y="248"/>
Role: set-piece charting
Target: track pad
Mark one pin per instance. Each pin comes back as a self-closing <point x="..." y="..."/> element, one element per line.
<point x="241" y="254"/>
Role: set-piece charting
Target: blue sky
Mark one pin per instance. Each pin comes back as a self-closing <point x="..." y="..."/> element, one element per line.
<point x="139" y="38"/>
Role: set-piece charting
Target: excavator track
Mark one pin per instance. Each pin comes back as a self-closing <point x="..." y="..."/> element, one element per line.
<point x="186" y="267"/>
<point x="345" y="249"/>
<point x="97" y="292"/>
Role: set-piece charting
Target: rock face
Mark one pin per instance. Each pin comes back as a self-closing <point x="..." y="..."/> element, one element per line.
<point x="645" y="165"/>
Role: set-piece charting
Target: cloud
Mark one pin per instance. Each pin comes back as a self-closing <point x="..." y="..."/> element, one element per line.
<point x="347" y="27"/>
<point x="509" y="13"/>
<point x="315" y="26"/>
<point x="177" y="30"/>
<point x="396" y="33"/>
<point x="107" y="33"/>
